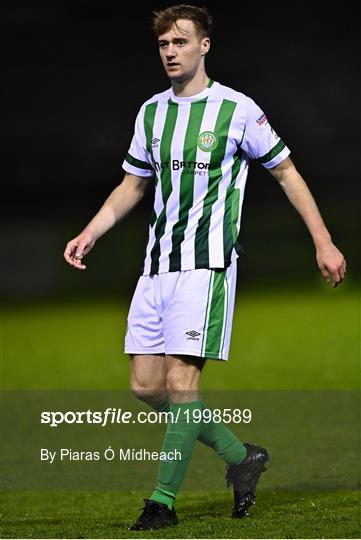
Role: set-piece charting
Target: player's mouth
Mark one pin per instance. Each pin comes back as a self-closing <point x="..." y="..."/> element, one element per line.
<point x="171" y="65"/>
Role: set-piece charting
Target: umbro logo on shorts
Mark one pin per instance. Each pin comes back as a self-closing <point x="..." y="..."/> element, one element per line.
<point x="193" y="335"/>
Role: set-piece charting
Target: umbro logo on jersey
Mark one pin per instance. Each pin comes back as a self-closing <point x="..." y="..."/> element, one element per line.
<point x="193" y="335"/>
<point x="155" y="141"/>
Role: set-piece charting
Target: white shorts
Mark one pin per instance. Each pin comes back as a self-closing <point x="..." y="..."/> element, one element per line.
<point x="188" y="312"/>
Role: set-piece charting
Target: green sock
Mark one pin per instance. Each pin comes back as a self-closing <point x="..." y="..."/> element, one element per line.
<point x="180" y="437"/>
<point x="223" y="441"/>
<point x="217" y="436"/>
<point x="162" y="406"/>
<point x="164" y="497"/>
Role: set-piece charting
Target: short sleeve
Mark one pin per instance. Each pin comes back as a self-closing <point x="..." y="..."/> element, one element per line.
<point x="260" y="142"/>
<point x="138" y="160"/>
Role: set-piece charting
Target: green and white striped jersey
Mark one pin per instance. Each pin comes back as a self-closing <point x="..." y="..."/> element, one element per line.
<point x="198" y="149"/>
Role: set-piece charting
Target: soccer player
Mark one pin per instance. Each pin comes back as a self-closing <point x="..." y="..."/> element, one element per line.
<point x="195" y="140"/>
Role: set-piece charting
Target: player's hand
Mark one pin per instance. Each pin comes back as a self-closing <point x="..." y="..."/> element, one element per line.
<point x="77" y="248"/>
<point x="332" y="264"/>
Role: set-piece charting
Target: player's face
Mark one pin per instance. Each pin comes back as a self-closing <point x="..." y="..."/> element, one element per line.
<point x="182" y="50"/>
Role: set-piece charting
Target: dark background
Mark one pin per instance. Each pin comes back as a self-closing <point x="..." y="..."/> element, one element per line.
<point x="75" y="74"/>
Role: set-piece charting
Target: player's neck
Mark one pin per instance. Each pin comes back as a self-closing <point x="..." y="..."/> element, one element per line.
<point x="191" y="87"/>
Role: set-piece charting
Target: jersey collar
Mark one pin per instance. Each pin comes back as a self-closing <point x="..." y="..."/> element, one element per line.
<point x="197" y="97"/>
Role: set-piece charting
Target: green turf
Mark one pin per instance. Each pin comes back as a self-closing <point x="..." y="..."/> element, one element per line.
<point x="295" y="340"/>
<point x="201" y="515"/>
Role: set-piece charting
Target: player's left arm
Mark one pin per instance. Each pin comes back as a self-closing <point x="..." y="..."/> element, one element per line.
<point x="330" y="260"/>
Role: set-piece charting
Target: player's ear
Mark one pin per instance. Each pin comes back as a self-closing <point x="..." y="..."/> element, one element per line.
<point x="205" y="45"/>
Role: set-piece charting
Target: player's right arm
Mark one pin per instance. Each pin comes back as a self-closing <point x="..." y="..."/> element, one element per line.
<point x="119" y="203"/>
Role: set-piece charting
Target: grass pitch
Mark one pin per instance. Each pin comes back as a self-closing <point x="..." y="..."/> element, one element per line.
<point x="201" y="515"/>
<point x="305" y="340"/>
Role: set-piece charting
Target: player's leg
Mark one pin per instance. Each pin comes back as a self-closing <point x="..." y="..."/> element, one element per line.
<point x="183" y="377"/>
<point x="182" y="385"/>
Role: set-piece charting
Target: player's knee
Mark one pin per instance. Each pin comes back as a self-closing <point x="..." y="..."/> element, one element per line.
<point x="148" y="395"/>
<point x="145" y="388"/>
<point x="141" y="394"/>
<point x="182" y="386"/>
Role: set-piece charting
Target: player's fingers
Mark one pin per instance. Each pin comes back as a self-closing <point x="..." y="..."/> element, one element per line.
<point x="325" y="274"/>
<point x="336" y="278"/>
<point x="74" y="253"/>
<point x="80" y="251"/>
<point x="79" y="254"/>
<point x="79" y="265"/>
<point x="69" y="251"/>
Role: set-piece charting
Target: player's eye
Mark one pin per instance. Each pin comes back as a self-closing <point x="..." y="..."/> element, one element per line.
<point x="162" y="44"/>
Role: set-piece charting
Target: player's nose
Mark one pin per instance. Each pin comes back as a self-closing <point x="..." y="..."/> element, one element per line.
<point x="171" y="51"/>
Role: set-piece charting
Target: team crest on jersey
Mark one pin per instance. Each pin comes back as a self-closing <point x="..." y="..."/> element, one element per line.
<point x="207" y="141"/>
